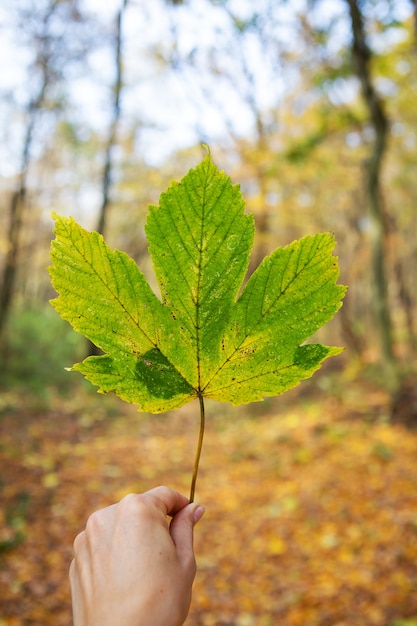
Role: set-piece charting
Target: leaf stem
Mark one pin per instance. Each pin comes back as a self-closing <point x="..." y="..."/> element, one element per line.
<point x="199" y="447"/>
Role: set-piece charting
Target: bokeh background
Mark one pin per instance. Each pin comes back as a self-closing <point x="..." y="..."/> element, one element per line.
<point x="311" y="105"/>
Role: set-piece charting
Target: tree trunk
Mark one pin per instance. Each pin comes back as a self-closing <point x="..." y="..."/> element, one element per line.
<point x="361" y="55"/>
<point x="16" y="212"/>
<point x="414" y="3"/>
<point x="111" y="140"/>
<point x="10" y="262"/>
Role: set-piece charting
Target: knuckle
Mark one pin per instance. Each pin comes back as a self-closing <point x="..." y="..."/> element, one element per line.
<point x="94" y="523"/>
<point x="129" y="499"/>
<point x="133" y="503"/>
<point x="93" y="520"/>
<point x="161" y="492"/>
<point x="78" y="541"/>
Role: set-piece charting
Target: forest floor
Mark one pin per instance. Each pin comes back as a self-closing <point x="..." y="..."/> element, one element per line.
<point x="311" y="503"/>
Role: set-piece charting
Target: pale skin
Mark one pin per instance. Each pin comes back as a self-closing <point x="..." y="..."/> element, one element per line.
<point x="131" y="566"/>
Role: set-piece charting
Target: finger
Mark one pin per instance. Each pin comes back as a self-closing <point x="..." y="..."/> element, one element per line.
<point x="182" y="532"/>
<point x="169" y="501"/>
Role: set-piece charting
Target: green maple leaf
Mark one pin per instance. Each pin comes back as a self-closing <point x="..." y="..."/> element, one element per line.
<point x="207" y="336"/>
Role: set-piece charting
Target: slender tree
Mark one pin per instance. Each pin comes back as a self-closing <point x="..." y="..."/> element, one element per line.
<point x="42" y="66"/>
<point x="115" y="118"/>
<point x="108" y="168"/>
<point x="52" y="50"/>
<point x="361" y="57"/>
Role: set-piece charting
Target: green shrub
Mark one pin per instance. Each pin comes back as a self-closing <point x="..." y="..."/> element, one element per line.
<point x="38" y="347"/>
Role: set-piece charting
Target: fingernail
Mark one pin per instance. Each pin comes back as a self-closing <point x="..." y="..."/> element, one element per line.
<point x="198" y="513"/>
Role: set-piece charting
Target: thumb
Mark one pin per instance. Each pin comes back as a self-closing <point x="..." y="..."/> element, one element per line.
<point x="181" y="530"/>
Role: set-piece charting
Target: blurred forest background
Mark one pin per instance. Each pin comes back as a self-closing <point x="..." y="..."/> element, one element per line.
<point x="311" y="105"/>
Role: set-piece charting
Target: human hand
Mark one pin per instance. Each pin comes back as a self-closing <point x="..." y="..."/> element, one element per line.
<point x="132" y="568"/>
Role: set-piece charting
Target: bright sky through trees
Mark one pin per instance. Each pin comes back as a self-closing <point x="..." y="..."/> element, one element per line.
<point x="165" y="93"/>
